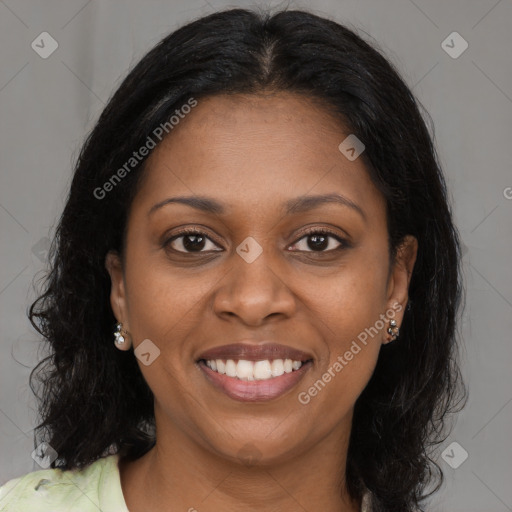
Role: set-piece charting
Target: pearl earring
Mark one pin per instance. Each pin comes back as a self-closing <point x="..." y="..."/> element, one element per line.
<point x="393" y="330"/>
<point x="121" y="337"/>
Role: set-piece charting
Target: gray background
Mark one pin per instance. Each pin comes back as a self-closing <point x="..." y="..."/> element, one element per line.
<point x="48" y="105"/>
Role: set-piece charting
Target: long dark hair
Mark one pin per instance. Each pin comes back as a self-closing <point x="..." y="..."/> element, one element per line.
<point x="93" y="398"/>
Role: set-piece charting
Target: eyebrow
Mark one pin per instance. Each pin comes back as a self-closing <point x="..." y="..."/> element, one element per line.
<point x="299" y="205"/>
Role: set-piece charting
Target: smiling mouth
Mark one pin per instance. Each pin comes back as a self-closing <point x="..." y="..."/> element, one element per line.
<point x="245" y="370"/>
<point x="254" y="381"/>
<point x="251" y="372"/>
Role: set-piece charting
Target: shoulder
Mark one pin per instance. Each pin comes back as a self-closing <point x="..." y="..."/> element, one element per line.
<point x="53" y="490"/>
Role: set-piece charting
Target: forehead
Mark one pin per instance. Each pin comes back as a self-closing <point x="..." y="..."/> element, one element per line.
<point x="247" y="150"/>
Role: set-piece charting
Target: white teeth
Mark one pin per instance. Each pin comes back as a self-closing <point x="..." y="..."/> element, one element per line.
<point x="244" y="370"/>
<point x="277" y="367"/>
<point x="221" y="366"/>
<point x="230" y="368"/>
<point x="295" y="365"/>
<point x="262" y="370"/>
<point x="253" y="370"/>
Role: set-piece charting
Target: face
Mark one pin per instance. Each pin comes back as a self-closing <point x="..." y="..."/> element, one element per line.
<point x="263" y="259"/>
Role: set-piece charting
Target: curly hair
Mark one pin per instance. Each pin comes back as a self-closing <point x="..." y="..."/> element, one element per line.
<point x="93" y="399"/>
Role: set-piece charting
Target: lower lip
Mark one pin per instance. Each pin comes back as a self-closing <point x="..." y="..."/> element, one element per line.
<point x="255" y="390"/>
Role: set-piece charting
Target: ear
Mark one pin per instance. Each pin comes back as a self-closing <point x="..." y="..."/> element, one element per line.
<point x="114" y="267"/>
<point x="400" y="276"/>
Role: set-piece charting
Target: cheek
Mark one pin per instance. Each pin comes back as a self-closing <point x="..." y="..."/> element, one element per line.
<point x="352" y="334"/>
<point x="351" y="299"/>
<point x="163" y="300"/>
<point x="348" y="310"/>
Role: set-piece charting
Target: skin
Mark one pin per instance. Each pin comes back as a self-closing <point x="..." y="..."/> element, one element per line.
<point x="252" y="153"/>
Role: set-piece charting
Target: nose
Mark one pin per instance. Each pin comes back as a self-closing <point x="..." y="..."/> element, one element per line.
<point x="254" y="292"/>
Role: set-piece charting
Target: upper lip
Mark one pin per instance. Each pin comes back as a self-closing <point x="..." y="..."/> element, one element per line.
<point x="252" y="352"/>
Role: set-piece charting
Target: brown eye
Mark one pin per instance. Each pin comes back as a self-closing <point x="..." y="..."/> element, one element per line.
<point x="319" y="241"/>
<point x="191" y="241"/>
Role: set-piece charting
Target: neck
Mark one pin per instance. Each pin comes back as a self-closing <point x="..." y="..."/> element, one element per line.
<point x="180" y="474"/>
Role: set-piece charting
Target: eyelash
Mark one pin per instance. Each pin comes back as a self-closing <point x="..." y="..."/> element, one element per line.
<point x="312" y="231"/>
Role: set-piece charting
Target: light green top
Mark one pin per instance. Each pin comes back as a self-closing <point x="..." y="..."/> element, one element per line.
<point x="95" y="488"/>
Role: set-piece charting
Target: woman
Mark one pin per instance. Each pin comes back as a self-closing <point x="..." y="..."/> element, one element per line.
<point x="254" y="285"/>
